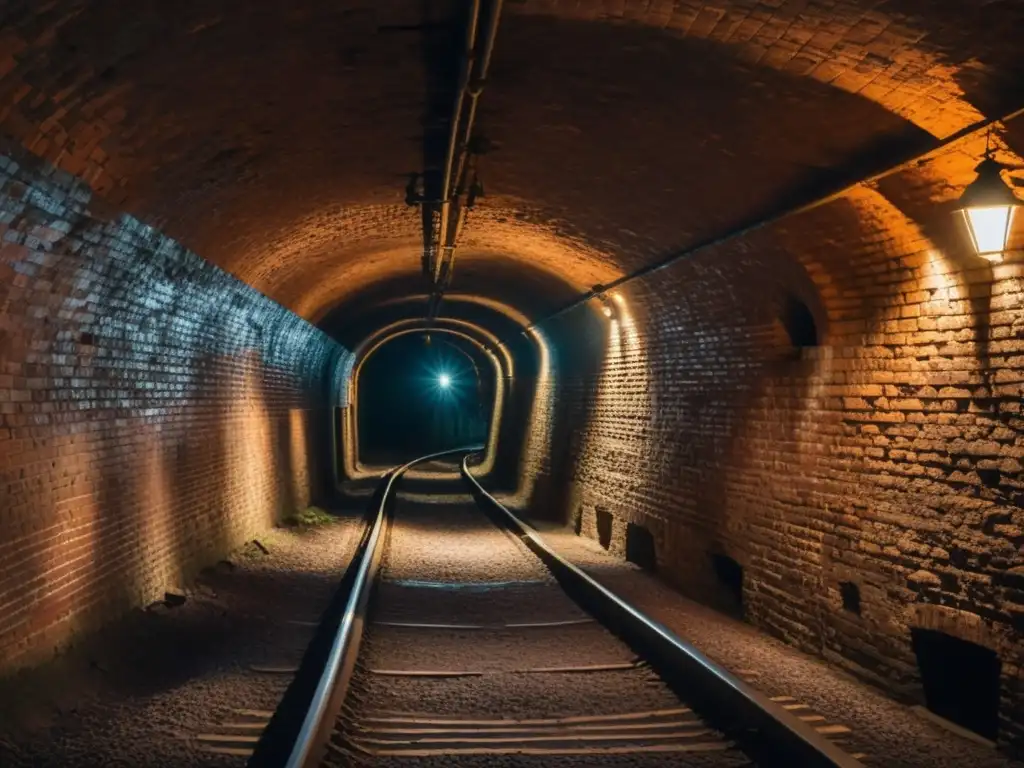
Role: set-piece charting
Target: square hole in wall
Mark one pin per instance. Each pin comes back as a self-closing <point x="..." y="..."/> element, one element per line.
<point x="990" y="478"/>
<point x="640" y="547"/>
<point x="850" y="593"/>
<point x="604" y="527"/>
<point x="961" y="680"/>
<point x="798" y="322"/>
<point x="730" y="577"/>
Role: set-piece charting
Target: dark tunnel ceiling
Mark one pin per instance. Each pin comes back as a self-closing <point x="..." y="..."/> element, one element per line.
<point x="403" y="295"/>
<point x="352" y="323"/>
<point x="276" y="138"/>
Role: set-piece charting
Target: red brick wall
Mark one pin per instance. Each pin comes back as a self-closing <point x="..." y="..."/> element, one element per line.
<point x="887" y="456"/>
<point x="155" y="412"/>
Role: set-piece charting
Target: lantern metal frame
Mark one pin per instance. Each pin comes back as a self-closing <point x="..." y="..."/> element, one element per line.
<point x="989" y="190"/>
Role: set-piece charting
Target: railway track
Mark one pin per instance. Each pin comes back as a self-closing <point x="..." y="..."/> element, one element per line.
<point x="463" y="640"/>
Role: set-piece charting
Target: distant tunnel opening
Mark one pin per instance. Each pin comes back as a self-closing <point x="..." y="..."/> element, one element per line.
<point x="960" y="680"/>
<point x="417" y="397"/>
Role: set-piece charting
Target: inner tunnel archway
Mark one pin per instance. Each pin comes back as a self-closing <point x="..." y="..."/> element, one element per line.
<point x="420" y="393"/>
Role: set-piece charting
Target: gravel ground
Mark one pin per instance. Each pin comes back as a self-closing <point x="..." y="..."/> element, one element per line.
<point x="888" y="732"/>
<point x="439" y="695"/>
<point x="143" y="691"/>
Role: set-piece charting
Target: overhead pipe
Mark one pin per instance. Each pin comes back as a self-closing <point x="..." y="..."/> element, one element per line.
<point x="453" y="131"/>
<point x="476" y="87"/>
<point x="458" y="142"/>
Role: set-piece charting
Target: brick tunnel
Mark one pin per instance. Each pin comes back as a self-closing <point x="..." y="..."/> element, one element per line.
<point x="700" y="265"/>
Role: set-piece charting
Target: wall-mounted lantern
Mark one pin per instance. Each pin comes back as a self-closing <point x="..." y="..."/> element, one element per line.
<point x="988" y="205"/>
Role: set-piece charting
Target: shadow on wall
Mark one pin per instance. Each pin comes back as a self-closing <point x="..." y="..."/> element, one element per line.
<point x="172" y="498"/>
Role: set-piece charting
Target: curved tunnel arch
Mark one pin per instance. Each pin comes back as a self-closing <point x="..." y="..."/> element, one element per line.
<point x="352" y="466"/>
<point x="699" y="133"/>
<point x="480" y="335"/>
<point x="349" y="222"/>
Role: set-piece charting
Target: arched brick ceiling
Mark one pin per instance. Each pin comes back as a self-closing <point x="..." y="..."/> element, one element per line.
<point x="276" y="138"/>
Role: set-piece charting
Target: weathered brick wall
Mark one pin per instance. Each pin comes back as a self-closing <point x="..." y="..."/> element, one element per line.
<point x="887" y="456"/>
<point x="155" y="412"/>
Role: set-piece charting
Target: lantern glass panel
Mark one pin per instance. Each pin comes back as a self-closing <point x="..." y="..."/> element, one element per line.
<point x="990" y="227"/>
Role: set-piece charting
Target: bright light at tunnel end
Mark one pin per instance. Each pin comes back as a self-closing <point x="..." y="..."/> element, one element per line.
<point x="444" y="380"/>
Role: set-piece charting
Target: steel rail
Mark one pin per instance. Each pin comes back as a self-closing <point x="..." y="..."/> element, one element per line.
<point x="783" y="737"/>
<point x="306" y="751"/>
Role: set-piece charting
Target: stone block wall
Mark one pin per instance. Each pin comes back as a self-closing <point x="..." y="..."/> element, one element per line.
<point x="155" y="412"/>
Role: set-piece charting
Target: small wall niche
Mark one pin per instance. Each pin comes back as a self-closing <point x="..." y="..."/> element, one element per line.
<point x="799" y="323"/>
<point x="730" y="576"/>
<point x="640" y="547"/>
<point x="990" y="478"/>
<point x="850" y="594"/>
<point x="604" y="527"/>
<point x="577" y="519"/>
<point x="960" y="680"/>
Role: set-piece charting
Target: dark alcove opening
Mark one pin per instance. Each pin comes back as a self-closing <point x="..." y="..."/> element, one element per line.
<point x="960" y="680"/>
<point x="730" y="578"/>
<point x="850" y="594"/>
<point x="640" y="547"/>
<point x="604" y="527"/>
<point x="799" y="323"/>
<point x="417" y="398"/>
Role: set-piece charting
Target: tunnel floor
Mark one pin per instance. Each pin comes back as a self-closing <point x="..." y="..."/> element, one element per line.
<point x="475" y="656"/>
<point x="162" y="686"/>
<point x="154" y="688"/>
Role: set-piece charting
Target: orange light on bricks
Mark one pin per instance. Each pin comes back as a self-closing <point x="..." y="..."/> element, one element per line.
<point x="538" y="439"/>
